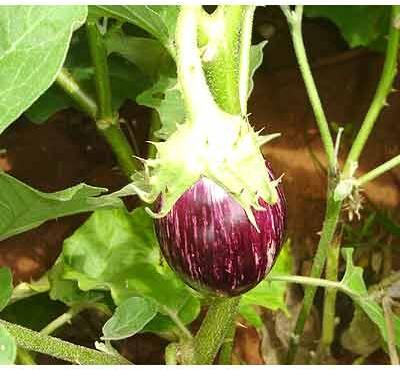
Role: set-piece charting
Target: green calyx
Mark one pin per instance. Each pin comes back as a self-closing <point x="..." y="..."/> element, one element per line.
<point x="221" y="147"/>
<point x="212" y="143"/>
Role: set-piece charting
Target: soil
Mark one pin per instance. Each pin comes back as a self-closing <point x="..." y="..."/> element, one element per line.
<point x="67" y="150"/>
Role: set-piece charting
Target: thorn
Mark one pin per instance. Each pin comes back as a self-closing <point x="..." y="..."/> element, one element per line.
<point x="394" y="90"/>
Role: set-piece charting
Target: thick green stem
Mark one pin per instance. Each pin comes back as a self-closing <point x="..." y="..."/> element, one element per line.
<point x="221" y="54"/>
<point x="107" y="120"/>
<point x="37" y="342"/>
<point x="98" y="53"/>
<point x="382" y="91"/>
<point x="225" y="354"/>
<point x="328" y="318"/>
<point x="378" y="171"/>
<point x="71" y="87"/>
<point x="213" y="330"/>
<point x="294" y="19"/>
<point x="327" y="234"/>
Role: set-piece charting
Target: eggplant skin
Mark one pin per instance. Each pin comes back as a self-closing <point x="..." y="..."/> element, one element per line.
<point x="209" y="242"/>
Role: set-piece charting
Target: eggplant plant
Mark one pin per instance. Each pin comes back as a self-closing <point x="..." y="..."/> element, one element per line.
<point x="210" y="230"/>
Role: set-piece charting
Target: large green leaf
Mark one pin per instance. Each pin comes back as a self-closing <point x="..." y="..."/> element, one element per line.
<point x="8" y="348"/>
<point x="268" y="294"/>
<point x="23" y="208"/>
<point x="6" y="286"/>
<point x="360" y="25"/>
<point x="159" y="21"/>
<point x="33" y="45"/>
<point x="118" y="251"/>
<point x="129" y="318"/>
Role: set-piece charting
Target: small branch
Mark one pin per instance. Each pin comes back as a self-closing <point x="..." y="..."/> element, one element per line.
<point x="382" y="91"/>
<point x="294" y="19"/>
<point x="72" y="88"/>
<point x="214" y="329"/>
<point x="178" y="322"/>
<point x="34" y="341"/>
<point x="60" y="321"/>
<point x="391" y="336"/>
<point x="378" y="171"/>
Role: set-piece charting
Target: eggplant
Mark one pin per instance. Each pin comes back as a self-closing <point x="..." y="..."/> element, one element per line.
<point x="208" y="240"/>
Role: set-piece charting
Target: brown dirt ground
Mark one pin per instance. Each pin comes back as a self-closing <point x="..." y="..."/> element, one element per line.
<point x="67" y="150"/>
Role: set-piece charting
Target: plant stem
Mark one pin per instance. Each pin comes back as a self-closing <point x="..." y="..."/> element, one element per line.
<point x="61" y="320"/>
<point x="225" y="354"/>
<point x="37" y="342"/>
<point x="214" y="328"/>
<point x="71" y="87"/>
<point x="122" y="149"/>
<point x="98" y="53"/>
<point x="107" y="120"/>
<point x="328" y="318"/>
<point x="328" y="231"/>
<point x="310" y="281"/>
<point x="378" y="171"/>
<point x="382" y="91"/>
<point x="187" y="335"/>
<point x="294" y="19"/>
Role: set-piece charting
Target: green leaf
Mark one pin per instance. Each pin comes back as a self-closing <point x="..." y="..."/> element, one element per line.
<point x="67" y="291"/>
<point x="6" y="287"/>
<point x="129" y="318"/>
<point x="158" y="21"/>
<point x="256" y="58"/>
<point x="8" y="348"/>
<point x="23" y="208"/>
<point x="270" y="295"/>
<point x="165" y="97"/>
<point x="360" y="25"/>
<point x="356" y="288"/>
<point x="117" y="251"/>
<point x="147" y="54"/>
<point x="33" y="47"/>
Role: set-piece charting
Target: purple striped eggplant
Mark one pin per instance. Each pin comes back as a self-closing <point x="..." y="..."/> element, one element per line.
<point x="208" y="240"/>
